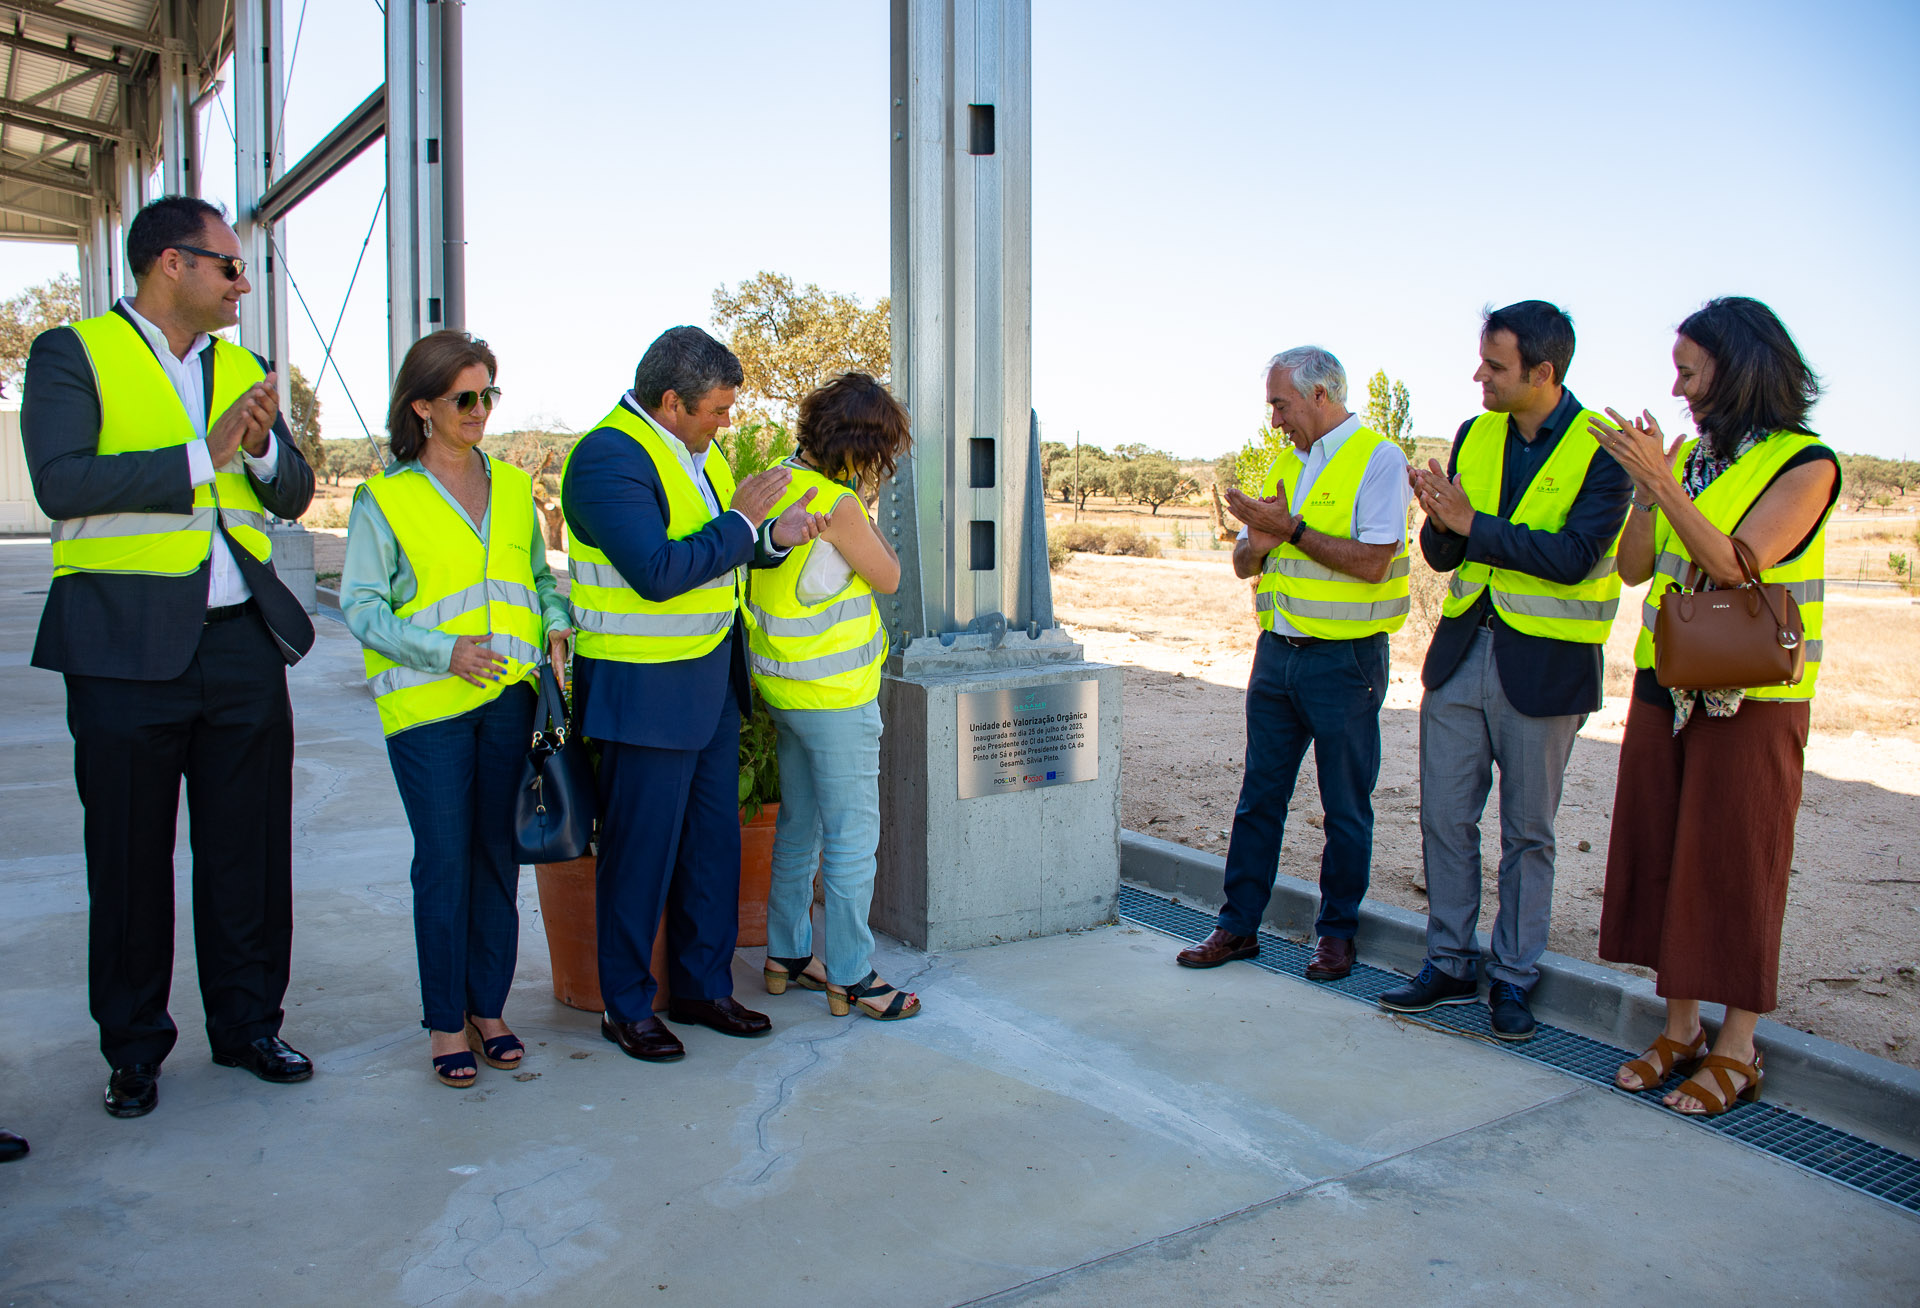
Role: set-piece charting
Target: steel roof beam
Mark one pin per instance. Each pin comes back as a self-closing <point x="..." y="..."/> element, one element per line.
<point x="40" y="215"/>
<point x="66" y="124"/>
<point x="91" y="139"/>
<point x="345" y="143"/>
<point x="46" y="49"/>
<point x="75" y="185"/>
<point x="58" y="89"/>
<point x="79" y="24"/>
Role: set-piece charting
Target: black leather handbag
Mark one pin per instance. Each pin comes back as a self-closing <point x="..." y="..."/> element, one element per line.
<point x="553" y="810"/>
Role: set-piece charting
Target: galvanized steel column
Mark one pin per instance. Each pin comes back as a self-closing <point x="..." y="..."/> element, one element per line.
<point x="258" y="158"/>
<point x="962" y="319"/>
<point x="416" y="248"/>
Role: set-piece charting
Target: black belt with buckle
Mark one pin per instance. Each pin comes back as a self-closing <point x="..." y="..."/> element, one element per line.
<point x="1302" y="642"/>
<point x="227" y="611"/>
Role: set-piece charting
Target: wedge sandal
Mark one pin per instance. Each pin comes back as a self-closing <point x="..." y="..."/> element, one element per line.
<point x="795" y="974"/>
<point x="496" y="1048"/>
<point x="842" y="1000"/>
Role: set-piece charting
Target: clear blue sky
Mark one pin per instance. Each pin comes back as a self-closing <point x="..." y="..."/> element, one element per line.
<point x="1210" y="186"/>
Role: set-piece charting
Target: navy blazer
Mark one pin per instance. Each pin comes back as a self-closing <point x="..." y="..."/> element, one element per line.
<point x="140" y="628"/>
<point x="614" y="502"/>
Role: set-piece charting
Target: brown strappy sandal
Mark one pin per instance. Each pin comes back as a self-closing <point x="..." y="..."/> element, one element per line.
<point x="1719" y="1096"/>
<point x="1662" y="1060"/>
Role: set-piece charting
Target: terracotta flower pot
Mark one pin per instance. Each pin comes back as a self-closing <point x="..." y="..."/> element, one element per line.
<point x="567" y="902"/>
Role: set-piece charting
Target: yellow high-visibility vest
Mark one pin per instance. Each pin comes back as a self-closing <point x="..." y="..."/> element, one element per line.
<point x="1582" y="612"/>
<point x="1724" y="503"/>
<point x="825" y="655"/>
<point x="1316" y="600"/>
<point x="612" y="619"/>
<point x="465" y="586"/>
<point x="140" y="410"/>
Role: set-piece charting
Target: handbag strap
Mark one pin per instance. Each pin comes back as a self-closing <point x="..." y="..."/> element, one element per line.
<point x="1752" y="574"/>
<point x="550" y="713"/>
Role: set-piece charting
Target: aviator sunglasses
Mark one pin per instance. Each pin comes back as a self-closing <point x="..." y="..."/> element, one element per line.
<point x="235" y="267"/>
<point x="464" y="401"/>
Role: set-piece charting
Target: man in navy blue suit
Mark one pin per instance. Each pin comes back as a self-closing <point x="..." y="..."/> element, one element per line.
<point x="659" y="542"/>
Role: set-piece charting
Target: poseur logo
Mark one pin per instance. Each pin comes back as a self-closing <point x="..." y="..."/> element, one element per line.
<point x="1031" y="704"/>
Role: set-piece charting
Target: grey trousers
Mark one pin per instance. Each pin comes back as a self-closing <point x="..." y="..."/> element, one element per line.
<point x="1467" y="726"/>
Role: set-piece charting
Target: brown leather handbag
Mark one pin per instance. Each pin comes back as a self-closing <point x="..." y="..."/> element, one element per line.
<point x="1750" y="635"/>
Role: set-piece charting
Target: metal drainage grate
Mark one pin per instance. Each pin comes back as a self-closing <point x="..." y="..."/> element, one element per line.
<point x="1824" y="1150"/>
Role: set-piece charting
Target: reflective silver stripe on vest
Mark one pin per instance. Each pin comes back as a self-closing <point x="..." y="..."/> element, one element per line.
<point x="827" y="665"/>
<point x="100" y="526"/>
<point x="385" y="683"/>
<point x="244" y="518"/>
<point x="825" y="620"/>
<point x="1815" y="648"/>
<point x="1460" y="587"/>
<point x="1332" y="610"/>
<point x="1308" y="570"/>
<point x="597" y="574"/>
<point x="1605" y="567"/>
<point x="473" y="597"/>
<point x="664" y="626"/>
<point x="1553" y="606"/>
<point x="605" y="574"/>
<point x="1670" y="564"/>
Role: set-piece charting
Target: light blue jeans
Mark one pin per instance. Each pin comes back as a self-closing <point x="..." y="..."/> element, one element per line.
<point x="829" y="819"/>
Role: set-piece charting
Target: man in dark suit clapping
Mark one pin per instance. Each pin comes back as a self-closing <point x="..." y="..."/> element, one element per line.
<point x="159" y="450"/>
<point x="659" y="539"/>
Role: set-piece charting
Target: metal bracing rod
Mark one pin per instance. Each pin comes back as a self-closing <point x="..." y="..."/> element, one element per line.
<point x="72" y="21"/>
<point x="47" y="49"/>
<point x="60" y="88"/>
<point x="345" y="143"/>
<point x="77" y="185"/>
<point x="67" y="139"/>
<point x="33" y="115"/>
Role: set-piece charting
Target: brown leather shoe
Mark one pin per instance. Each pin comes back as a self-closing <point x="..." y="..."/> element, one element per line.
<point x="649" y="1040"/>
<point x="1333" y="958"/>
<point x="1220" y="947"/>
<point x="726" y="1015"/>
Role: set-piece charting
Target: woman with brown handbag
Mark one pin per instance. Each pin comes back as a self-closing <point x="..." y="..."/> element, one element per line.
<point x="1709" y="780"/>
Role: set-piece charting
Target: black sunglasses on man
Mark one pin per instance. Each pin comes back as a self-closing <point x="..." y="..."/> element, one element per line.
<point x="235" y="268"/>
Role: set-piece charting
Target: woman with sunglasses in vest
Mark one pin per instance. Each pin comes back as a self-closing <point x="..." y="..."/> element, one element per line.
<point x="1709" y="782"/>
<point x="446" y="584"/>
<point x="815" y="648"/>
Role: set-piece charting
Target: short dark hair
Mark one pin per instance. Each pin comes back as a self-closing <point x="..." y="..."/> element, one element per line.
<point x="1761" y="381"/>
<point x="1543" y="332"/>
<point x="686" y="361"/>
<point x="426" y="373"/>
<point x="853" y="425"/>
<point x="166" y="224"/>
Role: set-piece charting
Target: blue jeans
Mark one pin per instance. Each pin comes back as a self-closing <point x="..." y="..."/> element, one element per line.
<point x="829" y="819"/>
<point x="457" y="780"/>
<point x="1327" y="695"/>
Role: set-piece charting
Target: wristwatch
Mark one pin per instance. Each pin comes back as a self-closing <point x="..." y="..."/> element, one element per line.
<point x="1299" y="529"/>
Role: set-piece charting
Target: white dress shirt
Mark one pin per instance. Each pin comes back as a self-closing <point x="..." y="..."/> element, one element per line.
<point x="696" y="466"/>
<point x="226" y="586"/>
<point x="1379" y="506"/>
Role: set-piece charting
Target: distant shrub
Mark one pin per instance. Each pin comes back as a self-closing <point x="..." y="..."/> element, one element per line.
<point x="1086" y="538"/>
<point x="1057" y="552"/>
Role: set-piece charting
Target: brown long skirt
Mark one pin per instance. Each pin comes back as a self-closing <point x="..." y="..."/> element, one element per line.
<point x="1701" y="849"/>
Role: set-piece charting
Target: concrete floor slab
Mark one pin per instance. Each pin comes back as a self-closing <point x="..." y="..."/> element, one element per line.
<point x="1061" y="1102"/>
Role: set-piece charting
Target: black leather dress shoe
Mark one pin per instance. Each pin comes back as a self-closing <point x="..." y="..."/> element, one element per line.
<point x="11" y="1147"/>
<point x="133" y="1090"/>
<point x="271" y="1059"/>
<point x="649" y="1040"/>
<point x="725" y="1015"/>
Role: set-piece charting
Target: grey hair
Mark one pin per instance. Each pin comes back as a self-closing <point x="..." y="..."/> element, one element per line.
<point x="686" y="361"/>
<point x="1311" y="366"/>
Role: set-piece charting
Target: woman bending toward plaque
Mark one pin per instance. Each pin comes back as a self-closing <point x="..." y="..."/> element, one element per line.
<point x="816" y="649"/>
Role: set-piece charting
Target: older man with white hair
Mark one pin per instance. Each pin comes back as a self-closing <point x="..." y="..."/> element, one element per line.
<point x="1327" y="538"/>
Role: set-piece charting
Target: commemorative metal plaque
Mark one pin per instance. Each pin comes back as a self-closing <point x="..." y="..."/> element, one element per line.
<point x="1027" y="737"/>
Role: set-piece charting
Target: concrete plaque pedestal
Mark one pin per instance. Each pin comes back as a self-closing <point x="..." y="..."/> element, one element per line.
<point x="956" y="872"/>
<point x="293" y="561"/>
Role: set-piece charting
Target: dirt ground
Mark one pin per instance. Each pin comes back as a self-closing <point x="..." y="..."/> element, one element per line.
<point x="1850" y="960"/>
